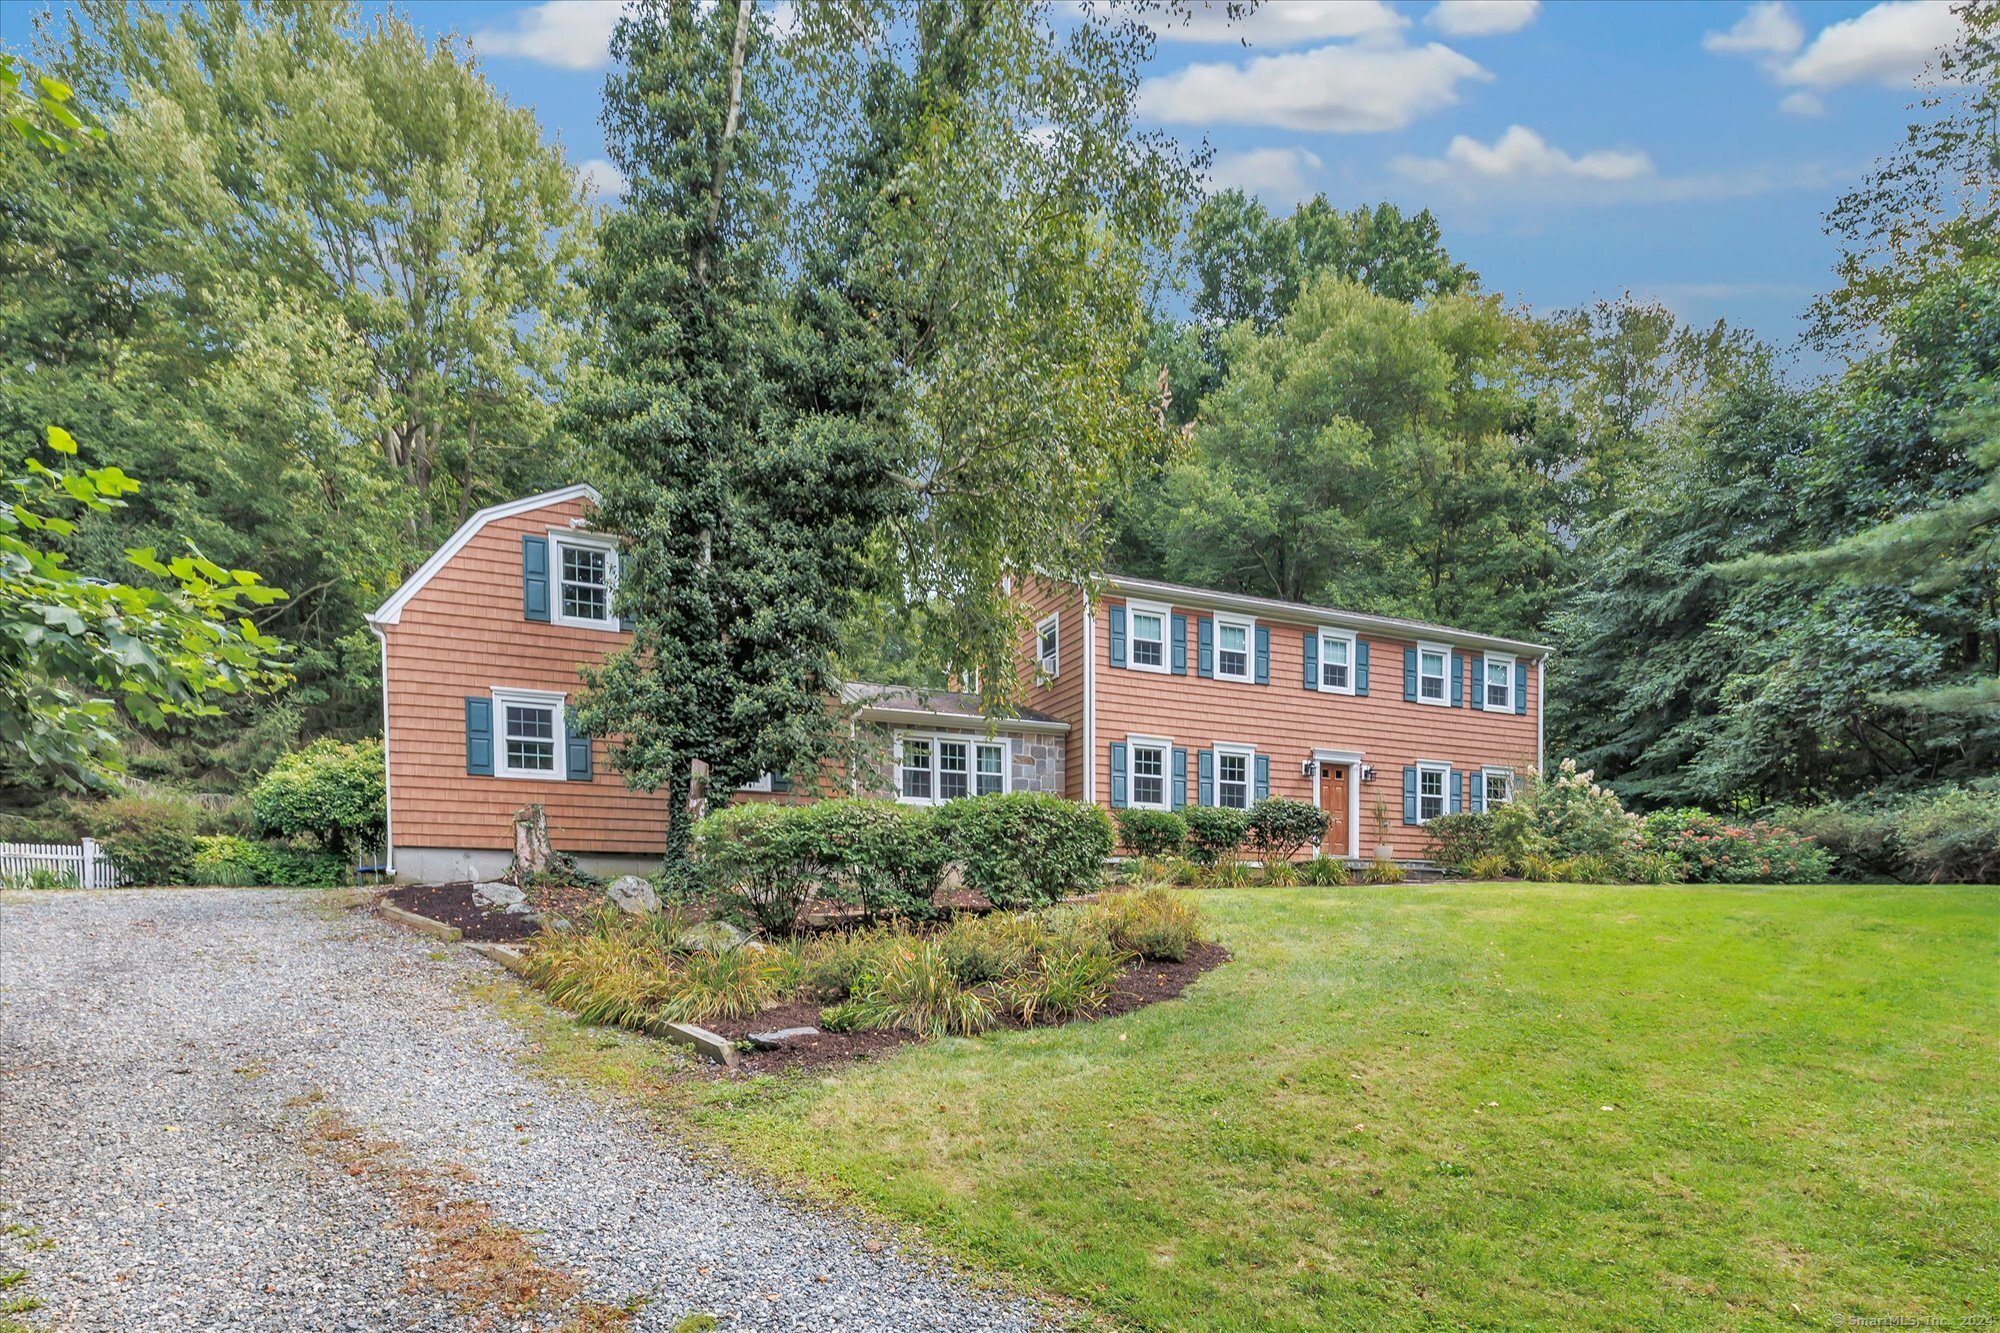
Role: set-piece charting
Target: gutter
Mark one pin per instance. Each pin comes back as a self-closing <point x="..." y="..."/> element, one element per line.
<point x="925" y="718"/>
<point x="1089" y="699"/>
<point x="1300" y="613"/>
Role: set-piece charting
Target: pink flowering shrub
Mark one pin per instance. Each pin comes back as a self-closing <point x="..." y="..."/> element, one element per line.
<point x="1713" y="850"/>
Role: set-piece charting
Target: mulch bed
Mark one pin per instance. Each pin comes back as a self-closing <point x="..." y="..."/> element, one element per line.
<point x="1142" y="983"/>
<point x="456" y="905"/>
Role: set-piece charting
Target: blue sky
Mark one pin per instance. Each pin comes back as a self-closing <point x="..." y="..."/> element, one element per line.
<point x="1683" y="151"/>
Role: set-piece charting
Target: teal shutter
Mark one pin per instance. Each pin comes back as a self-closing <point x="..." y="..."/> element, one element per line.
<point x="1477" y="783"/>
<point x="1479" y="681"/>
<point x="578" y="753"/>
<point x="1312" y="659"/>
<point x="1180" y="779"/>
<point x="1205" y="778"/>
<point x="479" y="735"/>
<point x="1361" y="666"/>
<point x="780" y="784"/>
<point x="1458" y="680"/>
<point x="1520" y="686"/>
<point x="1263" y="777"/>
<point x="1205" y="654"/>
<point x="1409" y="675"/>
<point x="1455" y="784"/>
<point x="534" y="578"/>
<point x="1409" y="796"/>
<point x="1117" y="636"/>
<point x="1180" y="645"/>
<point x="1263" y="654"/>
<point x="1118" y="775"/>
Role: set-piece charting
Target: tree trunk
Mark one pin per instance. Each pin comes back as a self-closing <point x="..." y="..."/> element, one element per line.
<point x="680" y="830"/>
<point x="742" y="37"/>
<point x="533" y="854"/>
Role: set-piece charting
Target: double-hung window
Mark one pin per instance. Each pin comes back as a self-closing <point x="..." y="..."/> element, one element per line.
<point x="931" y="769"/>
<point x="1232" y="648"/>
<point x="1336" y="661"/>
<point x="1499" y="786"/>
<point x="1232" y="778"/>
<point x="1048" y="647"/>
<point x="1148" y="630"/>
<point x="1433" y="780"/>
<point x="1499" y="684"/>
<point x="1149" y="775"/>
<point x="586" y="574"/>
<point x="531" y="734"/>
<point x="916" y="764"/>
<point x="1431" y="664"/>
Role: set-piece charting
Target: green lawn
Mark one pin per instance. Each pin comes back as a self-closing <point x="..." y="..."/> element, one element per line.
<point x="1469" y="1105"/>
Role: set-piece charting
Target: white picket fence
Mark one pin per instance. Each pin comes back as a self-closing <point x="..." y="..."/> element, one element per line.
<point x="80" y="865"/>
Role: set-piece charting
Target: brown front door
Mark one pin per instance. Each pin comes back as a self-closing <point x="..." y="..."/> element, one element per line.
<point x="1333" y="780"/>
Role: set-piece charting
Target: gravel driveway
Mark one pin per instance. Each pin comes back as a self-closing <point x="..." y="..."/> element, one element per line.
<point x="163" y="1055"/>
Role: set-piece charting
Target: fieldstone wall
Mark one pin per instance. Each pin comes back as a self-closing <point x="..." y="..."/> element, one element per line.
<point x="1036" y="761"/>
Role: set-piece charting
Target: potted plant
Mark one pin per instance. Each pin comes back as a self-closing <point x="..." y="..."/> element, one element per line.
<point x="1383" y="851"/>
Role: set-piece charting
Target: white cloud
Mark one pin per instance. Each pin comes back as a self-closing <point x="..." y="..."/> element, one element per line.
<point x="569" y="34"/>
<point x="1482" y="18"/>
<point x="1802" y="103"/>
<point x="1279" y="174"/>
<point x="1522" y="155"/>
<point x="602" y="179"/>
<point x="1334" y="89"/>
<point x="1766" y="28"/>
<point x="1280" y="22"/>
<point x="1888" y="45"/>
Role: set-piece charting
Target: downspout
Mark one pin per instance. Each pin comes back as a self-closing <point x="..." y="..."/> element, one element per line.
<point x="1089" y="702"/>
<point x="388" y="803"/>
<point x="1541" y="714"/>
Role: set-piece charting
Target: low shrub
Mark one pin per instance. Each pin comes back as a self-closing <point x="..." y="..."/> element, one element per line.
<point x="1278" y="829"/>
<point x="1487" y="865"/>
<point x="151" y="840"/>
<point x="829" y="966"/>
<point x="987" y="948"/>
<point x="1714" y="851"/>
<point x="1654" y="868"/>
<point x="1215" y="833"/>
<point x="224" y="860"/>
<point x="332" y="794"/>
<point x="1072" y="980"/>
<point x="1027" y="849"/>
<point x="1152" y="923"/>
<point x="913" y="989"/>
<point x="880" y="856"/>
<point x="1859" y="834"/>
<point x="756" y="859"/>
<point x="1382" y="872"/>
<point x="1325" y="872"/>
<point x="1152" y="833"/>
<point x="1456" y="841"/>
<point x="1951" y="837"/>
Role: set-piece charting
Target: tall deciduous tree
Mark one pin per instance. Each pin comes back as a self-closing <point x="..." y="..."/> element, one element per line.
<point x="317" y="285"/>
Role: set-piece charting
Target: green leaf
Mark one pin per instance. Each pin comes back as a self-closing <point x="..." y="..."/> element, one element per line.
<point x="61" y="440"/>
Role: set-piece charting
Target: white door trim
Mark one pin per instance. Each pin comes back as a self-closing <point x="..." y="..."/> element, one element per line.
<point x="1351" y="761"/>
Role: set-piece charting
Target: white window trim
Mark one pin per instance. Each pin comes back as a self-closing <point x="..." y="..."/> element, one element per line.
<point x="1347" y="636"/>
<point x="561" y="537"/>
<point x="1486" y="776"/>
<point x="1424" y="766"/>
<point x="1249" y="628"/>
<point x="1050" y="666"/>
<point x="1166" y="749"/>
<point x="551" y="699"/>
<point x="1249" y="753"/>
<point x="1133" y="610"/>
<point x="1485" y="698"/>
<point x="762" y="784"/>
<point x="1444" y="689"/>
<point x="971" y="743"/>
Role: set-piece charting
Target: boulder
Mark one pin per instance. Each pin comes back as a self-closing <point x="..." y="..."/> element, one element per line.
<point x="712" y="937"/>
<point x="771" y="1041"/>
<point x="498" y="893"/>
<point x="630" y="893"/>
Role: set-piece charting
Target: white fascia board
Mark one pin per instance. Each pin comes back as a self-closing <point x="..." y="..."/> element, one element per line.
<point x="391" y="611"/>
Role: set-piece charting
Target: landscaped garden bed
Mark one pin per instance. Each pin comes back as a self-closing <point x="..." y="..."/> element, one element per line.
<point x="484" y="917"/>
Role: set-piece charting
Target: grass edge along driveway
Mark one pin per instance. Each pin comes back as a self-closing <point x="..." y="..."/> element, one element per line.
<point x="1478" y="1105"/>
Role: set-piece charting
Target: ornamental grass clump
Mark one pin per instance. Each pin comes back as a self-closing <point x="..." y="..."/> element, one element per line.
<point x="604" y="973"/>
<point x="1325" y="872"/>
<point x="1072" y="979"/>
<point x="913" y="990"/>
<point x="1152" y="923"/>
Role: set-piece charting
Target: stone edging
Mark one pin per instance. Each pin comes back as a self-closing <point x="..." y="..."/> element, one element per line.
<point x="415" y="922"/>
